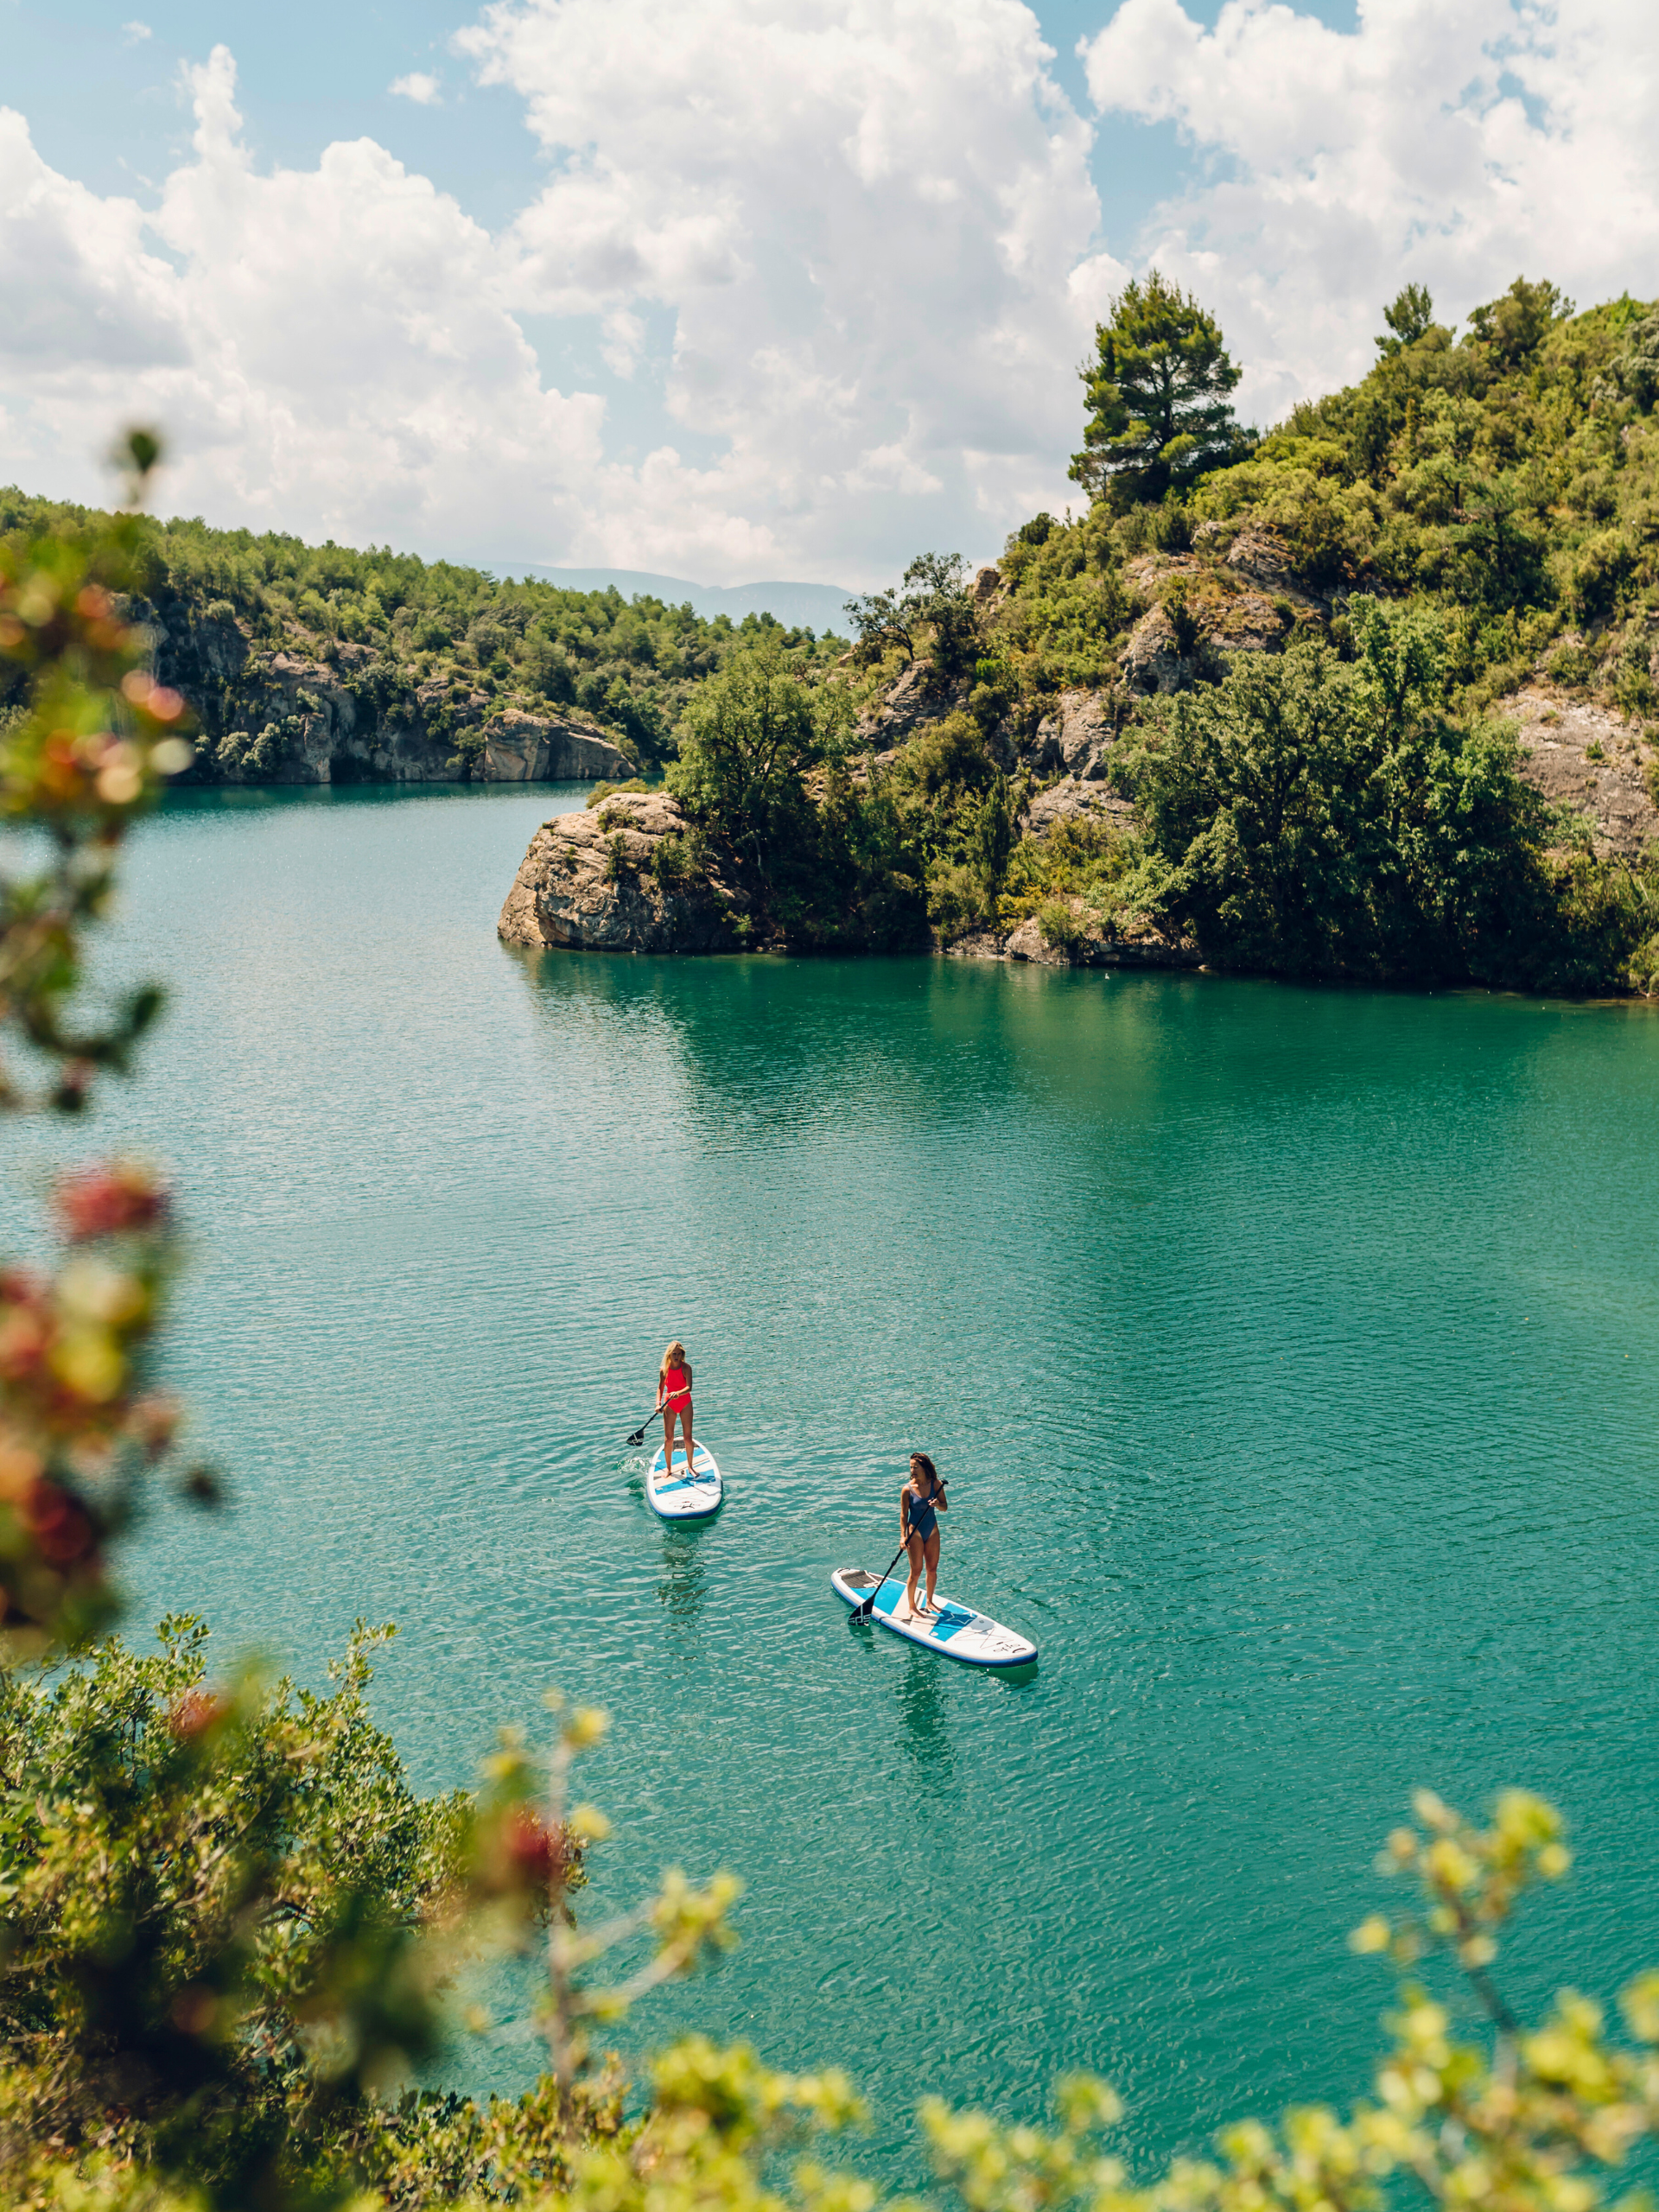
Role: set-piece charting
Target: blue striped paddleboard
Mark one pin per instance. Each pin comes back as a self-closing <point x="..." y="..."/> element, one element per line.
<point x="956" y="1630"/>
<point x="674" y="1495"/>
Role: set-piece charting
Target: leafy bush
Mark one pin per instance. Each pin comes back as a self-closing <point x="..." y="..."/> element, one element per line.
<point x="1062" y="926"/>
<point x="956" y="899"/>
<point x="1320" y="816"/>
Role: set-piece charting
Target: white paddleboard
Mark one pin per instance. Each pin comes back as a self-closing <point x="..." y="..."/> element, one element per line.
<point x="956" y="1630"/>
<point x="674" y="1494"/>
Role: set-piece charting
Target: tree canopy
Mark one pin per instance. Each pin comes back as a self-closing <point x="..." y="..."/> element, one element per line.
<point x="1158" y="412"/>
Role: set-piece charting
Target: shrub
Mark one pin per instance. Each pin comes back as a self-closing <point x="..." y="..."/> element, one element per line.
<point x="1062" y="926"/>
<point x="601" y="791"/>
<point x="1644" y="968"/>
<point x="670" y="862"/>
<point x="956" y="901"/>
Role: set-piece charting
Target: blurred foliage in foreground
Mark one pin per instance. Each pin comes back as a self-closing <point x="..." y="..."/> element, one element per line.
<point x="230" y="1933"/>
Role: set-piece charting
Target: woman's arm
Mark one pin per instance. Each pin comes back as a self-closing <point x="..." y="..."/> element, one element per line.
<point x="904" y="1515"/>
<point x="688" y="1375"/>
<point x="941" y="1502"/>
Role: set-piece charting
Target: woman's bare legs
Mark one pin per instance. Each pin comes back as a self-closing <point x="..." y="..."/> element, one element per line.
<point x="913" y="1546"/>
<point x="685" y="1424"/>
<point x="668" y="1439"/>
<point x="930" y="1553"/>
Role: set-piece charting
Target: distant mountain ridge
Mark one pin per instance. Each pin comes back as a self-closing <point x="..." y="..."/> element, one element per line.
<point x="801" y="607"/>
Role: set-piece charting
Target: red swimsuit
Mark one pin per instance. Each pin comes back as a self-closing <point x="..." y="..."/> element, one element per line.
<point x="676" y="1389"/>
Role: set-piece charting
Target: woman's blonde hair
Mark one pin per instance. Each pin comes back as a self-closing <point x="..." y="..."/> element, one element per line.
<point x="674" y="1356"/>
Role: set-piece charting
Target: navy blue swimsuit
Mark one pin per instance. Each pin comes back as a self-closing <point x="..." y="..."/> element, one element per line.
<point x="923" y="1518"/>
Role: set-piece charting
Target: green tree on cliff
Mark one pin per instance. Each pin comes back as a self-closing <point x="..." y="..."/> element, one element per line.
<point x="1514" y="326"/>
<point x="1410" y="317"/>
<point x="750" y="738"/>
<point x="1159" y="413"/>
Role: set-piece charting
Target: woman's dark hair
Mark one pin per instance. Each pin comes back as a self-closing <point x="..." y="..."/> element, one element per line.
<point x="920" y="1459"/>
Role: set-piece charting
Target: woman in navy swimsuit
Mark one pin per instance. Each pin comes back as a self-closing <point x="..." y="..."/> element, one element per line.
<point x="920" y="1503"/>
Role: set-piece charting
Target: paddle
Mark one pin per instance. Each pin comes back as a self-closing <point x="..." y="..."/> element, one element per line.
<point x="863" y="1613"/>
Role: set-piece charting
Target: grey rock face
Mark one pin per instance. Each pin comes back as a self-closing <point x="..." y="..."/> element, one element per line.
<point x="1153" y="659"/>
<point x="1073" y="800"/>
<point x="1077" y="736"/>
<point x="1026" y="943"/>
<point x="595" y="881"/>
<point x="1588" y="758"/>
<point x="284" y="717"/>
<point x="919" y="696"/>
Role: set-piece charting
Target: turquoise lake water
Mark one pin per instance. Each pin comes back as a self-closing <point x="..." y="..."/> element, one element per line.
<point x="1294" y="1353"/>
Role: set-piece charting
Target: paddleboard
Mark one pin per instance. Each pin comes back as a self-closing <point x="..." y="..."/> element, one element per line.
<point x="674" y="1494"/>
<point x="956" y="1630"/>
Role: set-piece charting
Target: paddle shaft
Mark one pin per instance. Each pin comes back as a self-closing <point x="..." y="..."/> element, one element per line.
<point x="638" y="1435"/>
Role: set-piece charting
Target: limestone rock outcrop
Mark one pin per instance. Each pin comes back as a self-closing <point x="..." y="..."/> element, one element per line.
<point x="288" y="717"/>
<point x="1585" y="756"/>
<point x="1087" y="945"/>
<point x="1077" y="736"/>
<point x="1073" y="800"/>
<point x="919" y="696"/>
<point x="621" y="878"/>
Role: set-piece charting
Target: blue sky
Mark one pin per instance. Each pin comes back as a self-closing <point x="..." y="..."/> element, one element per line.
<point x="547" y="313"/>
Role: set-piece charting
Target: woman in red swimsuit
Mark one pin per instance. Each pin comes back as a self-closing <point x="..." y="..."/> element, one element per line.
<point x="674" y="1403"/>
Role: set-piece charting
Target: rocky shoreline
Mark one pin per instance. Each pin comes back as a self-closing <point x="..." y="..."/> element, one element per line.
<point x="632" y="876"/>
<point x="625" y="876"/>
<point x="611" y="880"/>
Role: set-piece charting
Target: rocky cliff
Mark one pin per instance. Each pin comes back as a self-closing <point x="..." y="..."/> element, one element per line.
<point x="621" y="878"/>
<point x="287" y="717"/>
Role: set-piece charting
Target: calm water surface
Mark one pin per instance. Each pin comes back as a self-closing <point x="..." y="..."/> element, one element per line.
<point x="1295" y="1355"/>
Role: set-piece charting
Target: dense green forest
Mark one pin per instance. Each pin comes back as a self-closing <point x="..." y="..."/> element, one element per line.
<point x="629" y="666"/>
<point x="1508" y="480"/>
<point x="1299" y="653"/>
<point x="1295" y="645"/>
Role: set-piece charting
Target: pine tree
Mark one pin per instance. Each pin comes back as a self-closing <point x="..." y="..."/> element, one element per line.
<point x="1158" y="409"/>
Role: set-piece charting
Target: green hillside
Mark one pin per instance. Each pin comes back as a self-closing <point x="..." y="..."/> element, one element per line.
<point x="630" y="667"/>
<point x="1254" y="702"/>
<point x="1367" y="696"/>
<point x="1509" y="479"/>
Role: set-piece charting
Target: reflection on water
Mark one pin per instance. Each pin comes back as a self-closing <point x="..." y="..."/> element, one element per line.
<point x="922" y="1701"/>
<point x="684" y="1589"/>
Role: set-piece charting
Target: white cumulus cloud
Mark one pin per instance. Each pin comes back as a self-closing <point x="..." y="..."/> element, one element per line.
<point x="862" y="215"/>
<point x="420" y="86"/>
<point x="1458" y="146"/>
<point x="134" y="33"/>
<point x="328" y="350"/>
<point x="834" y="251"/>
